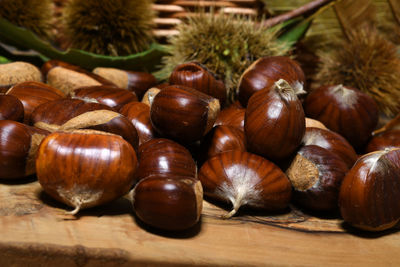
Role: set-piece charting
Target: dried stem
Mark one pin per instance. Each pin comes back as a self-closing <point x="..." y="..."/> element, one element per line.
<point x="388" y="126"/>
<point x="296" y="12"/>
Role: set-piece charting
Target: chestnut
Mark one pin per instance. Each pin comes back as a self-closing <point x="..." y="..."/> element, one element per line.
<point x="18" y="147"/>
<point x="165" y="157"/>
<point x="135" y="81"/>
<point x="71" y="114"/>
<point x="316" y="175"/>
<point x="314" y="123"/>
<point x="245" y="179"/>
<point x="17" y="72"/>
<point x="231" y="116"/>
<point x="370" y="192"/>
<point x="168" y="204"/>
<point x="331" y="141"/>
<point x="264" y="72"/>
<point x="183" y="114"/>
<point x="345" y="110"/>
<point x="139" y="114"/>
<point x="85" y="168"/>
<point x="197" y="76"/>
<point x="33" y="94"/>
<point x="274" y="122"/>
<point x="388" y="139"/>
<point x="11" y="108"/>
<point x="107" y="95"/>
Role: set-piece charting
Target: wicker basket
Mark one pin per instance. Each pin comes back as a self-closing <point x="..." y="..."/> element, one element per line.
<point x="170" y="13"/>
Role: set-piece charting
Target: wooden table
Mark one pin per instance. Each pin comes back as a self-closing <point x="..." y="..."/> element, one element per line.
<point x="35" y="232"/>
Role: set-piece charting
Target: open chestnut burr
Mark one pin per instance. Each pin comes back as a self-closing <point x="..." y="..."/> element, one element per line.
<point x="274" y="122"/>
<point x="316" y="175"/>
<point x="345" y="110"/>
<point x="370" y="192"/>
<point x="264" y="72"/>
<point x="245" y="179"/>
<point x="183" y="113"/>
<point x="85" y="168"/>
<point x="168" y="203"/>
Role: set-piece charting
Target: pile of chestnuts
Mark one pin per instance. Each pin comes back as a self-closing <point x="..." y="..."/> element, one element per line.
<point x="93" y="137"/>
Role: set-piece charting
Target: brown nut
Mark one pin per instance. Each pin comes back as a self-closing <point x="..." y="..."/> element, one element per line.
<point x="166" y="158"/>
<point x="135" y="81"/>
<point x="389" y="139"/>
<point x="245" y="179"/>
<point x="85" y="168"/>
<point x="345" y="110"/>
<point x="18" y="147"/>
<point x="183" y="114"/>
<point x="168" y="204"/>
<point x="17" y="72"/>
<point x="264" y="72"/>
<point x="231" y="116"/>
<point x="197" y="76"/>
<point x="139" y="114"/>
<point x="316" y="175"/>
<point x="274" y="122"/>
<point x="370" y="193"/>
<point x="106" y="95"/>
<point x="33" y="94"/>
<point x="11" y="108"/>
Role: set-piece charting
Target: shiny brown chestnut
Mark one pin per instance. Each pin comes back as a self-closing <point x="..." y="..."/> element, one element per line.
<point x="135" y="81"/>
<point x="107" y="95"/>
<point x="370" y="192"/>
<point x="11" y="108"/>
<point x="316" y="175"/>
<point x="274" y="122"/>
<point x="17" y="72"/>
<point x="85" y="168"/>
<point x="389" y="139"/>
<point x="33" y="94"/>
<point x="345" y="110"/>
<point x="182" y="113"/>
<point x="139" y="114"/>
<point x="331" y="141"/>
<point x="169" y="204"/>
<point x="245" y="179"/>
<point x="18" y="147"/>
<point x="264" y="72"/>
<point x="165" y="157"/>
<point x="71" y="114"/>
<point x="231" y="116"/>
<point x="197" y="76"/>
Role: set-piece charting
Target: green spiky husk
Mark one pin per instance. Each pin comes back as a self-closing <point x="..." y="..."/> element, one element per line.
<point x="35" y="15"/>
<point x="366" y="61"/>
<point x="109" y="27"/>
<point x="226" y="44"/>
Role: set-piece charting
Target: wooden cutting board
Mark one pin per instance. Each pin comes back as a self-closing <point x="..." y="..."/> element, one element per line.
<point x="34" y="231"/>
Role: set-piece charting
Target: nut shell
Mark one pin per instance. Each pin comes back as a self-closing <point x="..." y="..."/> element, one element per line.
<point x="11" y="108"/>
<point x="231" y="116"/>
<point x="168" y="204"/>
<point x="386" y="140"/>
<point x="85" y="168"/>
<point x="370" y="193"/>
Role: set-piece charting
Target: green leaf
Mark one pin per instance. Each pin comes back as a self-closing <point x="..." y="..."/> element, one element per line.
<point x="148" y="60"/>
<point x="295" y="31"/>
<point x="4" y="60"/>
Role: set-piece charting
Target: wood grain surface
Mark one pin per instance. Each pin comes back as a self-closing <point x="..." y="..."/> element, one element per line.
<point x="35" y="231"/>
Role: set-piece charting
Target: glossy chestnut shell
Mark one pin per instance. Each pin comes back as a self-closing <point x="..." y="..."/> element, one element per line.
<point x="264" y="72"/>
<point x="316" y="175"/>
<point x="231" y="116"/>
<point x="168" y="204"/>
<point x="183" y="114"/>
<point x="389" y="139"/>
<point x="345" y="110"/>
<point x="85" y="168"/>
<point x="331" y="141"/>
<point x="370" y="192"/>
<point x="274" y="122"/>
<point x="245" y="179"/>
<point x="165" y="157"/>
<point x="197" y="76"/>
<point x="11" y="108"/>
